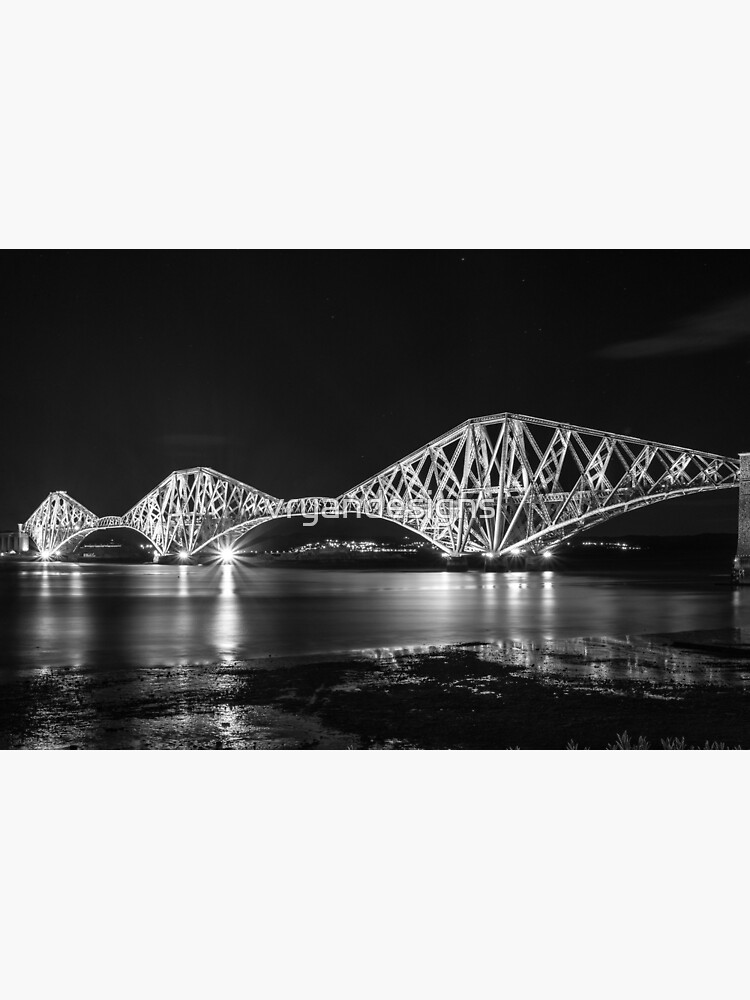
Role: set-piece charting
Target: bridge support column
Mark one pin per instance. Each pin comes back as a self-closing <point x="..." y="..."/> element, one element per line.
<point x="741" y="570"/>
<point x="529" y="561"/>
<point x="457" y="564"/>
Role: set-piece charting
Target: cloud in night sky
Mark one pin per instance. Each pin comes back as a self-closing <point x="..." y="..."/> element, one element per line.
<point x="722" y="326"/>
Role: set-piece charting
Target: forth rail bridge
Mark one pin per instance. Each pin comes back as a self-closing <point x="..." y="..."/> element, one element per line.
<point x="503" y="485"/>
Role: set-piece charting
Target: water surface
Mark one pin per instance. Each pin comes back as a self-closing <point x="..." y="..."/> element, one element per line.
<point x="71" y="615"/>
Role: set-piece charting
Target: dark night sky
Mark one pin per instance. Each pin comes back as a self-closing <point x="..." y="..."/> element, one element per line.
<point x="304" y="373"/>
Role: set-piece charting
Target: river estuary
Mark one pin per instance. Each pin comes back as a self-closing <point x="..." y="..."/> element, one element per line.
<point x="248" y="656"/>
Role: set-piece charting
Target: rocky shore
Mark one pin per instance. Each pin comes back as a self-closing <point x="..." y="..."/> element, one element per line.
<point x="581" y="692"/>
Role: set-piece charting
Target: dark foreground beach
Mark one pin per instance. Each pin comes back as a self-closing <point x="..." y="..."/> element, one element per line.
<point x="580" y="692"/>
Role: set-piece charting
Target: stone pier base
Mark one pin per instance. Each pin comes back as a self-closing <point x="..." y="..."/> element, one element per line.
<point x="741" y="568"/>
<point x="457" y="564"/>
<point x="529" y="561"/>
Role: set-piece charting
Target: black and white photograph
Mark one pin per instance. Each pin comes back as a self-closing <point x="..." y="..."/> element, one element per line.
<point x="377" y="500"/>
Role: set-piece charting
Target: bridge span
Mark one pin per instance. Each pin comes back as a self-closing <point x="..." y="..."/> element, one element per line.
<point x="499" y="485"/>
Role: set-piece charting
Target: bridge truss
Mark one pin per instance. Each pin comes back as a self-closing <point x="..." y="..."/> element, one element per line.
<point x="498" y="485"/>
<point x="56" y="519"/>
<point x="194" y="507"/>
<point x="506" y="483"/>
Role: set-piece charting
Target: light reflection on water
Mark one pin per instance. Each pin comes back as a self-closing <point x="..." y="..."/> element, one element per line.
<point x="149" y="615"/>
<point x="606" y="659"/>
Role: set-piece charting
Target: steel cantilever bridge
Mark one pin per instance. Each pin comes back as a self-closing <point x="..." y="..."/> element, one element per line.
<point x="498" y="485"/>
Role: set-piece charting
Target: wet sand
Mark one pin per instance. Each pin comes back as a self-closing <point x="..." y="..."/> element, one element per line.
<point x="484" y="696"/>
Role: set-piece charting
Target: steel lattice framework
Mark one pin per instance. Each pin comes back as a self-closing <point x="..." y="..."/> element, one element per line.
<point x="500" y="483"/>
<point x="193" y="507"/>
<point x="57" y="519"/>
<point x="497" y="485"/>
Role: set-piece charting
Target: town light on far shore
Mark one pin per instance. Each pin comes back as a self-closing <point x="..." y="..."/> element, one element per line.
<point x="183" y="555"/>
<point x="547" y="554"/>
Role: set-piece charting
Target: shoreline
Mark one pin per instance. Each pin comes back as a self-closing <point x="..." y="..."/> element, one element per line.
<point x="488" y="696"/>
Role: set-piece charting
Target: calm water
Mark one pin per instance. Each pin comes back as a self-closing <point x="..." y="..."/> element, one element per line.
<point x="148" y="615"/>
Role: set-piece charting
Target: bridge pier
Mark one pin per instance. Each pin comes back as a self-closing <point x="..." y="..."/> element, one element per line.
<point x="529" y="561"/>
<point x="533" y="561"/>
<point x="741" y="569"/>
<point x="457" y="564"/>
<point x="490" y="563"/>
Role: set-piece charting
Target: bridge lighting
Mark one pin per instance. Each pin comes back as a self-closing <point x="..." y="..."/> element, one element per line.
<point x="228" y="555"/>
<point x="45" y="555"/>
<point x="547" y="554"/>
<point x="605" y="475"/>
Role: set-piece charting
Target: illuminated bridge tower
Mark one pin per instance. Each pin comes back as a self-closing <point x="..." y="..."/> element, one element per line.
<point x="742" y="559"/>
